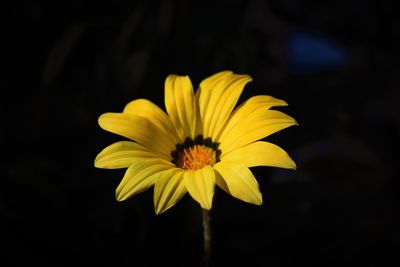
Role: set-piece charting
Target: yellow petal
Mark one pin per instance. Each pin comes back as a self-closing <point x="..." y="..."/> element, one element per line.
<point x="240" y="182"/>
<point x="219" y="180"/>
<point x="121" y="155"/>
<point x="199" y="123"/>
<point x="218" y="96"/>
<point x="141" y="175"/>
<point x="153" y="113"/>
<point x="259" y="102"/>
<point x="263" y="101"/>
<point x="200" y="185"/>
<point x="261" y="154"/>
<point x="256" y="125"/>
<point x="168" y="189"/>
<point x="181" y="105"/>
<point x="210" y="81"/>
<point x="139" y="129"/>
<point x="251" y="105"/>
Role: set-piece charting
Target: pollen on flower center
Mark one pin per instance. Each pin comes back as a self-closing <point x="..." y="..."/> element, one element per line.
<point x="196" y="154"/>
<point x="196" y="157"/>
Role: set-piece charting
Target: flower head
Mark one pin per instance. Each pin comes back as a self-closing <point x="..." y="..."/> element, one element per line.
<point x="201" y="140"/>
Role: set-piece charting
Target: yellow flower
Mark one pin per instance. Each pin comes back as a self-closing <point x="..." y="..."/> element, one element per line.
<point x="201" y="141"/>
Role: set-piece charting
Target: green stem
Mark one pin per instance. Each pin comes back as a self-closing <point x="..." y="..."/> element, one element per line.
<point x="206" y="237"/>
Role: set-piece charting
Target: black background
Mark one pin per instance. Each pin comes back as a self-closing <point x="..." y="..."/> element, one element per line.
<point x="67" y="62"/>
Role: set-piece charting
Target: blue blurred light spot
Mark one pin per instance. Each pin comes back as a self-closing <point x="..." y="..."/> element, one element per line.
<point x="309" y="52"/>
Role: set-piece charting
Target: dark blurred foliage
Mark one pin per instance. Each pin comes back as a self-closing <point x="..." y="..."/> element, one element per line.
<point x="67" y="62"/>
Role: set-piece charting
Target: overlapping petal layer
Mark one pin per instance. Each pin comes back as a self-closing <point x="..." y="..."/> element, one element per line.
<point x="218" y="96"/>
<point x="154" y="114"/>
<point x="139" y="129"/>
<point x="200" y="184"/>
<point x="141" y="175"/>
<point x="250" y="122"/>
<point x="122" y="155"/>
<point x="169" y="189"/>
<point x="240" y="182"/>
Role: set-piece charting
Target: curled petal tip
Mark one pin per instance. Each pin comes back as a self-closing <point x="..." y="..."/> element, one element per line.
<point x="118" y="197"/>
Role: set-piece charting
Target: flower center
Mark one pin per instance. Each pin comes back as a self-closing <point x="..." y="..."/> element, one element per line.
<point x="196" y="154"/>
<point x="196" y="157"/>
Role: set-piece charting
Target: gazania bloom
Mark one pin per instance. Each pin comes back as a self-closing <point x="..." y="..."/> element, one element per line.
<point x="201" y="141"/>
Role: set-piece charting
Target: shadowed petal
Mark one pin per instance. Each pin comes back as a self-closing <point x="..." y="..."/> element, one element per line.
<point x="219" y="180"/>
<point x="240" y="182"/>
<point x="141" y="175"/>
<point x="154" y="114"/>
<point x="200" y="185"/>
<point x="168" y="189"/>
<point x="261" y="154"/>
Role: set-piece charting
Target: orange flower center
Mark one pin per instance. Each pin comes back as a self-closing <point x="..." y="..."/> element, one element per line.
<point x="196" y="157"/>
<point x="194" y="154"/>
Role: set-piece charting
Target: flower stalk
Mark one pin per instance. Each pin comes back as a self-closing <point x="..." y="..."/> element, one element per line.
<point x="206" y="238"/>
